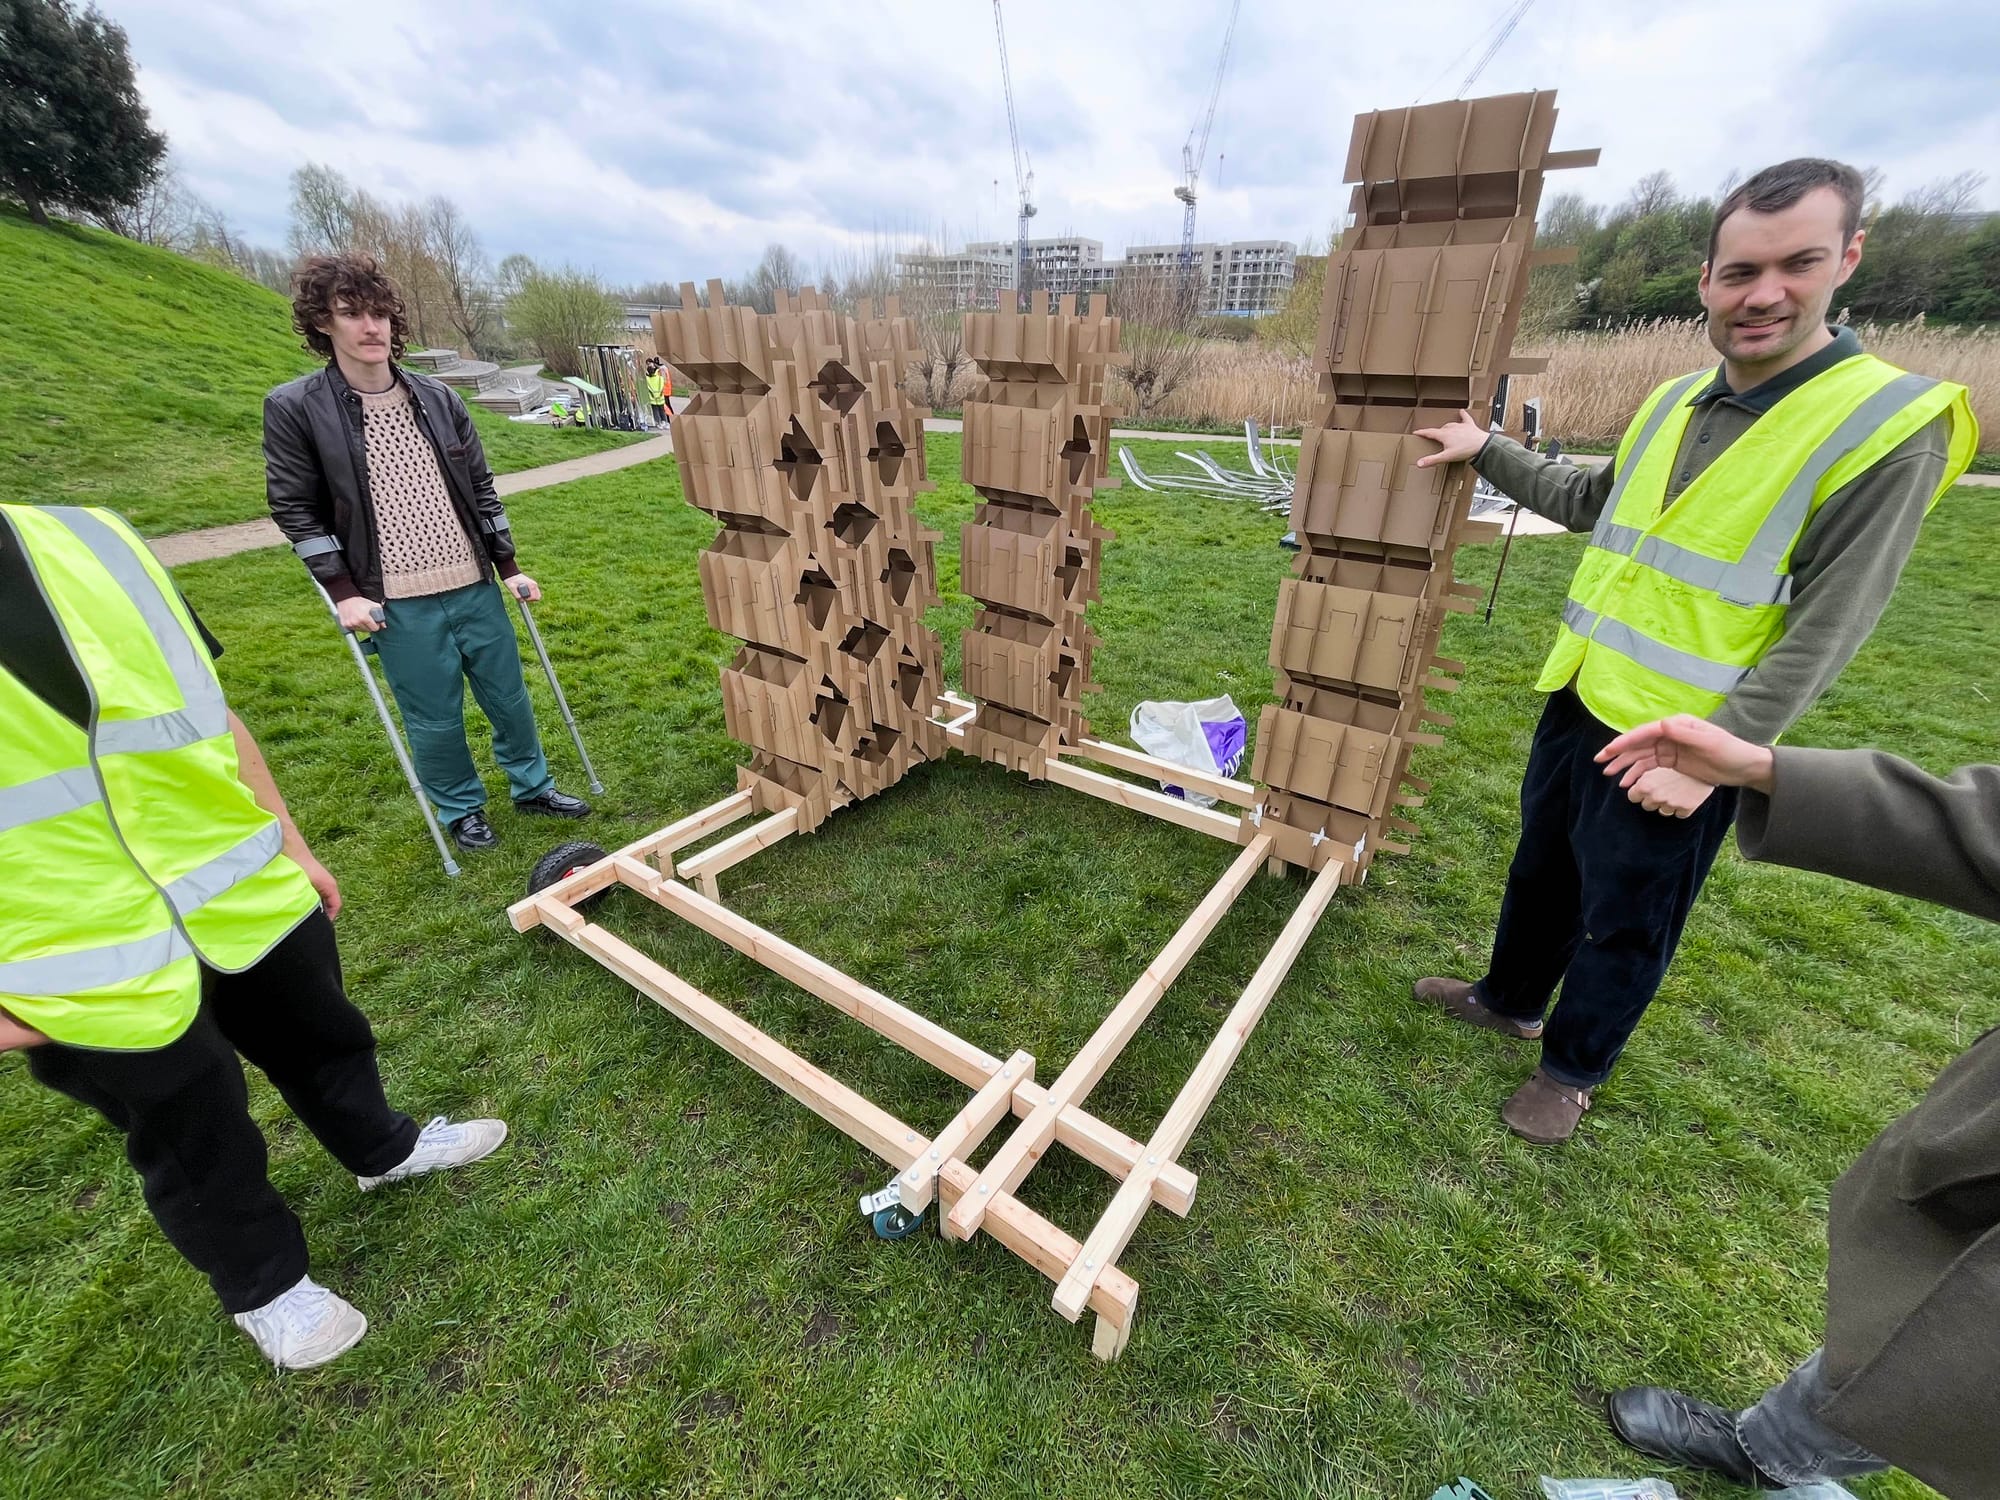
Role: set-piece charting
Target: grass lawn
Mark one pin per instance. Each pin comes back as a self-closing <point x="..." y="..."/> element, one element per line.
<point x="159" y="408"/>
<point x="662" y="1285"/>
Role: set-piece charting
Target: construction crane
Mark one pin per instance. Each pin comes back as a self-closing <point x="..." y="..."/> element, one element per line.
<point x="1024" y="178"/>
<point x="1192" y="155"/>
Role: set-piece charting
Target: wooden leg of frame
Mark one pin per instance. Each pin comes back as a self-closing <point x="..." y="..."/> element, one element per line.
<point x="1115" y="1229"/>
<point x="1108" y="1338"/>
<point x="710" y="863"/>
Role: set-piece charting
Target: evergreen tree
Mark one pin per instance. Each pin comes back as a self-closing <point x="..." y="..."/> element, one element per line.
<point x="73" y="130"/>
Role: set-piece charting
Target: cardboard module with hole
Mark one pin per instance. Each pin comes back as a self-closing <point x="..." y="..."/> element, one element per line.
<point x="800" y="442"/>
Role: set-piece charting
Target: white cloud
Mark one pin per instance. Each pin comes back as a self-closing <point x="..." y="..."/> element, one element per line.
<point x="655" y="140"/>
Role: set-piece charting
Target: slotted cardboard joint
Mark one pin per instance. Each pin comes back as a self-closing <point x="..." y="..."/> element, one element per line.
<point x="801" y="444"/>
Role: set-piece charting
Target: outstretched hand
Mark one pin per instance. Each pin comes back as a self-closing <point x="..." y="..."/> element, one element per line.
<point x="1457" y="441"/>
<point x="1687" y="747"/>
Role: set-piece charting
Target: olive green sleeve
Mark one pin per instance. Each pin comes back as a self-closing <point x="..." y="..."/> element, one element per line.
<point x="1571" y="495"/>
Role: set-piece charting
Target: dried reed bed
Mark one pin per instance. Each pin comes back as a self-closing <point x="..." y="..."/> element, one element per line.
<point x="1594" y="382"/>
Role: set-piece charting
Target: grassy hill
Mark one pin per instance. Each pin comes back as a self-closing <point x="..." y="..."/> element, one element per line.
<point x="134" y="378"/>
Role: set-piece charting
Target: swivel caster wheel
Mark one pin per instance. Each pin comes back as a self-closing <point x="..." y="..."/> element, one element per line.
<point x="896" y="1222"/>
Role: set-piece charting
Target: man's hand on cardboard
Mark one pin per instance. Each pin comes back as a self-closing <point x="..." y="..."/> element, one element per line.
<point x="360" y="615"/>
<point x="1460" y="440"/>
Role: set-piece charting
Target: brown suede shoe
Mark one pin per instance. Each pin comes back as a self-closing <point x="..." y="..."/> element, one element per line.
<point x="1455" y="995"/>
<point x="1544" y="1112"/>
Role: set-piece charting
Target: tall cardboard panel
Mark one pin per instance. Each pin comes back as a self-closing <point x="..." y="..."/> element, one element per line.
<point x="1417" y="320"/>
<point x="801" y="442"/>
<point x="1036" y="441"/>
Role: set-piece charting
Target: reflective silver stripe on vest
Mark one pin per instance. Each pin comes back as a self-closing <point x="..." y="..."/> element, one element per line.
<point x="1655" y="656"/>
<point x="1655" y="419"/>
<point x="47" y="796"/>
<point x="1615" y="538"/>
<point x="205" y="882"/>
<point x="162" y="731"/>
<point x="93" y="968"/>
<point x="316" y="546"/>
<point x="1755" y="580"/>
<point x="203" y="714"/>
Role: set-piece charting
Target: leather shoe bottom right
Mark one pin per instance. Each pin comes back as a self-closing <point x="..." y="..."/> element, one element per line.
<point x="553" y="804"/>
<point x="1667" y="1425"/>
<point x="473" y="833"/>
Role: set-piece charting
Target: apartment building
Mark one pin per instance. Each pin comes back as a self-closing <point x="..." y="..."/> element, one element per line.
<point x="1239" y="279"/>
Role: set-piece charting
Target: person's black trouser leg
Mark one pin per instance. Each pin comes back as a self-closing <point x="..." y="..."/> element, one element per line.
<point x="1598" y="894"/>
<point x="184" y="1110"/>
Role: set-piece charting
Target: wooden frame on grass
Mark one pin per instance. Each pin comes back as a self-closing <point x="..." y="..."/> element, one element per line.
<point x="936" y="1168"/>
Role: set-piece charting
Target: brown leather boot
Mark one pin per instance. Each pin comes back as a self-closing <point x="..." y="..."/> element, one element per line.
<point x="1456" y="996"/>
<point x="1545" y="1112"/>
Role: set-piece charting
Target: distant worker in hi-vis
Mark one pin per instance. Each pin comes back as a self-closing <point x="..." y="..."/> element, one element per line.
<point x="1743" y="543"/>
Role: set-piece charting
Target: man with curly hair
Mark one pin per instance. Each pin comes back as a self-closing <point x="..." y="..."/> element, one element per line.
<point x="377" y="478"/>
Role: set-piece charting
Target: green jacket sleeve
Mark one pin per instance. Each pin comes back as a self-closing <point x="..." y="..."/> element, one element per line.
<point x="1571" y="495"/>
<point x="1877" y="820"/>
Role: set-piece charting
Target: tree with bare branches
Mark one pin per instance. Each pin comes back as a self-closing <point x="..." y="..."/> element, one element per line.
<point x="1160" y="335"/>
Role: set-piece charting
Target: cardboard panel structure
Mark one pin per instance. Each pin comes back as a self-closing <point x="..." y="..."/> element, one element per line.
<point x="1417" y="320"/>
<point x="1036" y="447"/>
<point x="802" y="443"/>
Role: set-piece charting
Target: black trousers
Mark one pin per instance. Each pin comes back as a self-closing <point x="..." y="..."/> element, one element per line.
<point x="1596" y="897"/>
<point x="184" y="1109"/>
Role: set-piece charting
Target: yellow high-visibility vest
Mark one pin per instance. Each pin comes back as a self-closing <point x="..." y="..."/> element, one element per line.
<point x="1671" y="607"/>
<point x="131" y="852"/>
<point x="656" y="389"/>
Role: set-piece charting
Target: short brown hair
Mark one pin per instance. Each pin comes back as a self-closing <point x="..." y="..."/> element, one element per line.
<point x="1777" y="188"/>
<point x="323" y="282"/>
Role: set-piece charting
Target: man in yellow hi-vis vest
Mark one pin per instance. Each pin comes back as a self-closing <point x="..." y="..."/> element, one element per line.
<point x="162" y="915"/>
<point x="1744" y="541"/>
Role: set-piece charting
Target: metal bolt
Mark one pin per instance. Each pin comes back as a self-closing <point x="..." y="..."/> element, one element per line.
<point x="1006" y="1072"/>
<point x="934" y="1155"/>
<point x="985" y="1187"/>
<point x="909" y="1135"/>
<point x="1090" y="1265"/>
<point x="911" y="1178"/>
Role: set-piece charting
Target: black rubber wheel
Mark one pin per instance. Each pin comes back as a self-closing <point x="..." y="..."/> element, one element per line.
<point x="561" y="862"/>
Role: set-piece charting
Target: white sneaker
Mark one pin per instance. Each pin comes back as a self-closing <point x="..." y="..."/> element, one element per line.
<point x="305" y="1326"/>
<point x="442" y="1144"/>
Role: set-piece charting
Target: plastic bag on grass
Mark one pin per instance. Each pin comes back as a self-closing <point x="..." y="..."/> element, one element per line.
<point x="1608" y="1489"/>
<point x="1205" y="736"/>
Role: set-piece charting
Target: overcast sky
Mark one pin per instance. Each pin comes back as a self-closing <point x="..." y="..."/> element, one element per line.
<point x="674" y="141"/>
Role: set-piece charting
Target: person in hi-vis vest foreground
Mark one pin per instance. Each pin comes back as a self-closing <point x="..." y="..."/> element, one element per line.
<point x="163" y="915"/>
<point x="1743" y="543"/>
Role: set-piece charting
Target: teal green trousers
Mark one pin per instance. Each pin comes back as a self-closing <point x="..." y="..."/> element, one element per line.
<point x="430" y="648"/>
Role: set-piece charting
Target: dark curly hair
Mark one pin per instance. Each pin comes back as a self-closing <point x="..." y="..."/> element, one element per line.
<point x="324" y="282"/>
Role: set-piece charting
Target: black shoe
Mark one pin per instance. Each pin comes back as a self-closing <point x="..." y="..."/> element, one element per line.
<point x="473" y="833"/>
<point x="1665" y="1424"/>
<point x="553" y="804"/>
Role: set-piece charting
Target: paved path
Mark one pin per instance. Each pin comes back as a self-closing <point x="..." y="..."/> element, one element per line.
<point x="249" y="536"/>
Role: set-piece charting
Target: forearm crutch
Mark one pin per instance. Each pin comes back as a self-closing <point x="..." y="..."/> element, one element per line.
<point x="528" y="618"/>
<point x="389" y="727"/>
